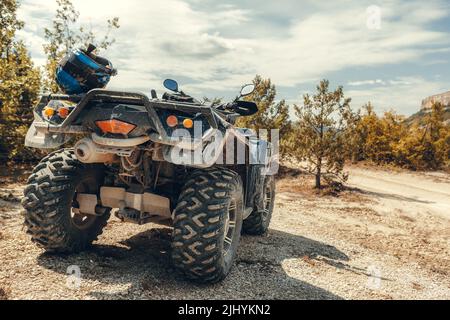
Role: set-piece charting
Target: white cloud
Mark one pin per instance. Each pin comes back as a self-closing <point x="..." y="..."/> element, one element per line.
<point x="366" y="82"/>
<point x="162" y="38"/>
<point x="402" y="95"/>
<point x="380" y="82"/>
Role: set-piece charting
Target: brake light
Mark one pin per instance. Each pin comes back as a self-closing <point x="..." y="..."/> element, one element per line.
<point x="63" y="112"/>
<point x="172" y="121"/>
<point x="115" y="126"/>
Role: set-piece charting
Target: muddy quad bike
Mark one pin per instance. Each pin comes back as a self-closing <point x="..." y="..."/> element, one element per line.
<point x="172" y="161"/>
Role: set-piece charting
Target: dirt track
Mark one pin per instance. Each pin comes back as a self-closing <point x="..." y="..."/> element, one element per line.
<point x="414" y="193"/>
<point x="389" y="240"/>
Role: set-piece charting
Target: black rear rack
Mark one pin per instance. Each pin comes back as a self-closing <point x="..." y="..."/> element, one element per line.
<point x="133" y="98"/>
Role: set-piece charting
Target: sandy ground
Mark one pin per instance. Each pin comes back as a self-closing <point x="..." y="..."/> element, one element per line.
<point x="414" y="193"/>
<point x="389" y="238"/>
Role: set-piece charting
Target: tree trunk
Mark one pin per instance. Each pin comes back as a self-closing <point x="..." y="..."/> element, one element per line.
<point x="319" y="160"/>
<point x="318" y="174"/>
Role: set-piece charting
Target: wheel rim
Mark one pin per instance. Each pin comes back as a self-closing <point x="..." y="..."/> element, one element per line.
<point x="79" y="219"/>
<point x="267" y="202"/>
<point x="230" y="227"/>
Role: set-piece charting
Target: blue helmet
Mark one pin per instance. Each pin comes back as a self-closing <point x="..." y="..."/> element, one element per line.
<point x="81" y="71"/>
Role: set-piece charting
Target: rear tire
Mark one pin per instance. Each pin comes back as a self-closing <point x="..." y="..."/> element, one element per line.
<point x="49" y="199"/>
<point x="259" y="220"/>
<point x="207" y="224"/>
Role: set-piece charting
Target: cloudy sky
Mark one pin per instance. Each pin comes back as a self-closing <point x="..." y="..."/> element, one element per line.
<point x="393" y="53"/>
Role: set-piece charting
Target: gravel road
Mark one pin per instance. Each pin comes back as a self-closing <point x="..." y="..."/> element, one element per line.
<point x="387" y="239"/>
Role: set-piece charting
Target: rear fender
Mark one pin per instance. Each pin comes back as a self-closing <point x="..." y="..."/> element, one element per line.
<point x="41" y="140"/>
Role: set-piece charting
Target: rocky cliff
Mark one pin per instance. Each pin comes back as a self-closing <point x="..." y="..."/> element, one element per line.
<point x="443" y="98"/>
<point x="419" y="117"/>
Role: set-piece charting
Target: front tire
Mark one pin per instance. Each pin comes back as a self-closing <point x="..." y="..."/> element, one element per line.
<point x="207" y="224"/>
<point x="49" y="200"/>
<point x="259" y="220"/>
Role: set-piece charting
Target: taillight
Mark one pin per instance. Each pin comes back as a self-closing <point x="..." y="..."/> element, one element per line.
<point x="188" y="123"/>
<point x="172" y="121"/>
<point x="57" y="108"/>
<point x="115" y="126"/>
<point x="48" y="112"/>
<point x="63" y="112"/>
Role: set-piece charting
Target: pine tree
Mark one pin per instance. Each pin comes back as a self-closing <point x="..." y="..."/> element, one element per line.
<point x="65" y="36"/>
<point x="320" y="133"/>
<point x="9" y="24"/>
<point x="439" y="135"/>
<point x="19" y="86"/>
<point x="271" y="114"/>
<point x="428" y="146"/>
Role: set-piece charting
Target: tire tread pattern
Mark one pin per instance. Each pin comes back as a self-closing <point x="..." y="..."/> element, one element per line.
<point x="199" y="223"/>
<point x="47" y="201"/>
<point x="255" y="224"/>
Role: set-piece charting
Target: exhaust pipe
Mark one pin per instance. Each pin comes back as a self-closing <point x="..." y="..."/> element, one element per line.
<point x="87" y="151"/>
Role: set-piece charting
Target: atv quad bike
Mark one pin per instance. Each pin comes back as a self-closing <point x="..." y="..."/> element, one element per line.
<point x="130" y="158"/>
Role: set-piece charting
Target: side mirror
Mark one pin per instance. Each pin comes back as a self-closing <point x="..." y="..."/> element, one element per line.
<point x="245" y="108"/>
<point x="247" y="90"/>
<point x="171" y="85"/>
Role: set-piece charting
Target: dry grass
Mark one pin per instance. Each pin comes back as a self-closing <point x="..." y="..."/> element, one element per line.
<point x="296" y="185"/>
<point x="373" y="166"/>
<point x="304" y="186"/>
<point x="386" y="167"/>
<point x="354" y="195"/>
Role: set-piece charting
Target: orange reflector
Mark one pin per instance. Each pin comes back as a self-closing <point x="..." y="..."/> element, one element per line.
<point x="172" y="121"/>
<point x="115" y="126"/>
<point x="49" y="112"/>
<point x="188" y="123"/>
<point x="63" y="112"/>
